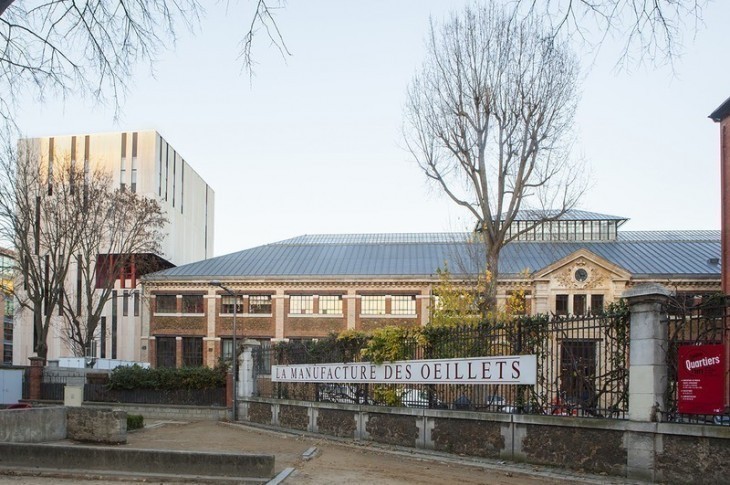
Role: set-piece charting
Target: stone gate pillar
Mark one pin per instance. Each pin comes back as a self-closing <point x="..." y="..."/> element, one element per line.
<point x="647" y="377"/>
<point x="246" y="376"/>
<point x="647" y="351"/>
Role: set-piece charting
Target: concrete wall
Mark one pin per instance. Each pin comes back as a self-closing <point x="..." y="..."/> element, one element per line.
<point x="668" y="452"/>
<point x="137" y="462"/>
<point x="34" y="425"/>
<point x="96" y="425"/>
<point x="167" y="412"/>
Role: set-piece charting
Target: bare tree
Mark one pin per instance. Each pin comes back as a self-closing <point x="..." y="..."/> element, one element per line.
<point x="40" y="216"/>
<point x="121" y="231"/>
<point x="488" y="119"/>
<point x="50" y="48"/>
<point x="59" y="216"/>
<point x="651" y="30"/>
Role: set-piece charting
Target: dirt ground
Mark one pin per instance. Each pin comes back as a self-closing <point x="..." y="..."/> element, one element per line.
<point x="335" y="461"/>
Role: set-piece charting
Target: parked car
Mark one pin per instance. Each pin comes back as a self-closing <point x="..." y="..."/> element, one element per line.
<point x="343" y="393"/>
<point x="419" y="398"/>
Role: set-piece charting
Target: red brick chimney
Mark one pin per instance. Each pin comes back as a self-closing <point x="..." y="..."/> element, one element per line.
<point x="722" y="116"/>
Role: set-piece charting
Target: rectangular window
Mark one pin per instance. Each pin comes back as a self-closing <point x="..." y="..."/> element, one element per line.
<point x="226" y="348"/>
<point x="561" y="304"/>
<point x="403" y="305"/>
<point x="166" y="352"/>
<point x="596" y="304"/>
<point x="123" y="164"/>
<point x="192" y="304"/>
<point x="579" y="304"/>
<point x="372" y="305"/>
<point x="136" y="303"/>
<point x="259" y="304"/>
<point x="330" y="305"/>
<point x="192" y="351"/>
<point x="134" y="174"/>
<point x="159" y="179"/>
<point x="174" y="177"/>
<point x="125" y="304"/>
<point x="182" y="184"/>
<point x="72" y="175"/>
<point x="301" y="304"/>
<point x="229" y="302"/>
<point x="9" y="306"/>
<point x="50" y="166"/>
<point x="166" y="303"/>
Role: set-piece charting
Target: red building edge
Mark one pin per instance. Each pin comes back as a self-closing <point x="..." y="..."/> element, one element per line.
<point x="722" y="115"/>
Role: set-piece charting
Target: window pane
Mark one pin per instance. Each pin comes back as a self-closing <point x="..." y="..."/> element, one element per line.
<point x="403" y="305"/>
<point x="192" y="304"/>
<point x="330" y="305"/>
<point x="229" y="302"/>
<point x="373" y="305"/>
<point x="596" y="304"/>
<point x="579" y="305"/>
<point x="259" y="304"/>
<point x="192" y="351"/>
<point x="166" y="304"/>
<point x="561" y="304"/>
<point x="125" y="304"/>
<point x="301" y="304"/>
<point x="165" y="351"/>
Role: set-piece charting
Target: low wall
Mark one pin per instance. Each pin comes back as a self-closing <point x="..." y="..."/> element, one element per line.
<point x="166" y="412"/>
<point x="647" y="451"/>
<point x="96" y="425"/>
<point x="33" y="425"/>
<point x="136" y="461"/>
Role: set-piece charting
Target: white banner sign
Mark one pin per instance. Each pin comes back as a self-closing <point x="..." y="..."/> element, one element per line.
<point x="514" y="369"/>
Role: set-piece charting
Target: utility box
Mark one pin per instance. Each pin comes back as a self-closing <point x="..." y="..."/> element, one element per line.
<point x="73" y="396"/>
<point x="11" y="385"/>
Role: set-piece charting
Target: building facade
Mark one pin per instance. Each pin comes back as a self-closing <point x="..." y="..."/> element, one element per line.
<point x="310" y="286"/>
<point x="6" y="304"/>
<point x="145" y="163"/>
<point x="722" y="115"/>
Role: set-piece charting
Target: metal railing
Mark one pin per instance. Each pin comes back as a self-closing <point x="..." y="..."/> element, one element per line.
<point x="703" y="323"/>
<point x="581" y="367"/>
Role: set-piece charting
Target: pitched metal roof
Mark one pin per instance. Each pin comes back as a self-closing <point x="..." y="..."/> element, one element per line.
<point x="652" y="253"/>
<point x="721" y="112"/>
<point x="569" y="215"/>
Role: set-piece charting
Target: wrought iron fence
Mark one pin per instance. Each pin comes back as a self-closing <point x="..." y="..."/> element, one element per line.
<point x="581" y="367"/>
<point x="52" y="389"/>
<point x="702" y="322"/>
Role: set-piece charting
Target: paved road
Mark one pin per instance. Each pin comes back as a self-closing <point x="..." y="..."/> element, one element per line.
<point x="334" y="461"/>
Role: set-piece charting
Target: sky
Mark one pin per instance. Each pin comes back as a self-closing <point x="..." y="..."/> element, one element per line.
<point x="312" y="143"/>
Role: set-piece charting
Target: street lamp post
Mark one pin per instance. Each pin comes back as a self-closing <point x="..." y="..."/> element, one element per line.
<point x="235" y="353"/>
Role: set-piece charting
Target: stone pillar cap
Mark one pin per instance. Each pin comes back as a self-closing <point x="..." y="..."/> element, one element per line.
<point x="644" y="290"/>
<point x="251" y="343"/>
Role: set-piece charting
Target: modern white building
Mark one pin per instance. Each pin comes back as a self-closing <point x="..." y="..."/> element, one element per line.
<point x="145" y="163"/>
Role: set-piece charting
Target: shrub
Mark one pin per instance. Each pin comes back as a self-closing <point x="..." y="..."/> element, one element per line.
<point x="136" y="377"/>
<point x="135" y="421"/>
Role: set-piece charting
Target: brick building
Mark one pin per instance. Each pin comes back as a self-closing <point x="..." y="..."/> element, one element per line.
<point x="310" y="286"/>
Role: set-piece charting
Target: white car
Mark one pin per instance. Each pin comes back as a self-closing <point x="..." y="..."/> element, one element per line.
<point x="418" y="398"/>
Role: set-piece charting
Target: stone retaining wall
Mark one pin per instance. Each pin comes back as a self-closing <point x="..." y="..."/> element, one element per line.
<point x="669" y="452"/>
<point x="96" y="425"/>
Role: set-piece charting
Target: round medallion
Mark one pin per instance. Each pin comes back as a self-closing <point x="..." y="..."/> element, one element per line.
<point x="581" y="275"/>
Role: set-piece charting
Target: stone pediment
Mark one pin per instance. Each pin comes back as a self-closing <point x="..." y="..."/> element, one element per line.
<point x="580" y="270"/>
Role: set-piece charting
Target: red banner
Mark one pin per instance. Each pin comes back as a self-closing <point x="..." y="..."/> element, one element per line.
<point x="701" y="379"/>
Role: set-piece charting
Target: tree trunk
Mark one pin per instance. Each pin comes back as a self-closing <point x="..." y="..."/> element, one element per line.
<point x="490" y="288"/>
